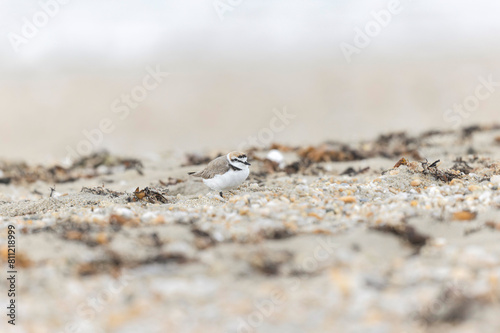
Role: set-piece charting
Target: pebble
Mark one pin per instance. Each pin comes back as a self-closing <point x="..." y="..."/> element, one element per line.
<point x="464" y="216"/>
<point x="348" y="199"/>
<point x="124" y="212"/>
<point x="416" y="182"/>
<point x="276" y="156"/>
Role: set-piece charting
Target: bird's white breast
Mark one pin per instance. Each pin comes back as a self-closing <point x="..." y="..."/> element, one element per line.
<point x="230" y="179"/>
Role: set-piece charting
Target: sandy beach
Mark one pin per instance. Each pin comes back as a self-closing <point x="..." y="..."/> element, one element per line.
<point x="338" y="238"/>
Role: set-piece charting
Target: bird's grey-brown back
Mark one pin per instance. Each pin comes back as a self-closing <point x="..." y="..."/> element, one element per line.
<point x="219" y="166"/>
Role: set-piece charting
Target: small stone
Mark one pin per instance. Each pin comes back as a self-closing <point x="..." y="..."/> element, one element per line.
<point x="276" y="156"/>
<point x="348" y="199"/>
<point x="464" y="216"/>
<point x="416" y="182"/>
<point x="160" y="219"/>
<point x="393" y="190"/>
<point x="73" y="235"/>
<point x="315" y="215"/>
<point x="102" y="238"/>
<point x="473" y="188"/>
<point x="439" y="242"/>
<point x="124" y="212"/>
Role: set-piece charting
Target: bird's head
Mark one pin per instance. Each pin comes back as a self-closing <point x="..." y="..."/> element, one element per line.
<point x="238" y="159"/>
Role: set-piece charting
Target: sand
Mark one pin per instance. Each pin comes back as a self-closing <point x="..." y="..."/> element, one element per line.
<point x="406" y="249"/>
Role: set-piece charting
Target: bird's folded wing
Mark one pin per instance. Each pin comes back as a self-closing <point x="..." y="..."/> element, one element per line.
<point x="219" y="166"/>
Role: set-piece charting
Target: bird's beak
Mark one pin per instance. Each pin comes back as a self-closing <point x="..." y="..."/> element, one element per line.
<point x="246" y="163"/>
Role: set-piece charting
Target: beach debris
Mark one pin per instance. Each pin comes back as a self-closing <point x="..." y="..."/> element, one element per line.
<point x="468" y="131"/>
<point x="493" y="225"/>
<point x="52" y="190"/>
<point x="454" y="306"/>
<point x="269" y="262"/>
<point x="445" y="176"/>
<point x="5" y="180"/>
<point x="111" y="264"/>
<point x="282" y="148"/>
<point x="329" y="152"/>
<point x="202" y="239"/>
<point x="105" y="159"/>
<point x="406" y="232"/>
<point x="429" y="167"/>
<point x="85" y="167"/>
<point x="197" y="159"/>
<point x="350" y="171"/>
<point x="292" y="168"/>
<point x="270" y="166"/>
<point x="101" y="190"/>
<point x="462" y="166"/>
<point x="170" y="181"/>
<point x="149" y="195"/>
<point x="402" y="161"/>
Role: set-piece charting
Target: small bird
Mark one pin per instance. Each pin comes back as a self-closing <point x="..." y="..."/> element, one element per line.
<point x="225" y="172"/>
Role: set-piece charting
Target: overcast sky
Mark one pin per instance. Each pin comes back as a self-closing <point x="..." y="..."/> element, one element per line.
<point x="130" y="29"/>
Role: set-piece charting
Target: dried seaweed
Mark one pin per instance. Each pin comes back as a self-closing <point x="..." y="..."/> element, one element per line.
<point x="352" y="172"/>
<point x="292" y="168"/>
<point x="202" y="239"/>
<point x="101" y="190"/>
<point x="95" y="160"/>
<point x="170" y="181"/>
<point x="454" y="307"/>
<point x="196" y="159"/>
<point x="406" y="232"/>
<point x="330" y="153"/>
<point x="445" y="176"/>
<point x="269" y="262"/>
<point x="462" y="166"/>
<point x="85" y="167"/>
<point x="390" y="145"/>
<point x="113" y="263"/>
<point x="5" y="180"/>
<point x="149" y="195"/>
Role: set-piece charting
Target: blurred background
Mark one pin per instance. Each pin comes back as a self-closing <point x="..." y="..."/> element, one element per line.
<point x="66" y="65"/>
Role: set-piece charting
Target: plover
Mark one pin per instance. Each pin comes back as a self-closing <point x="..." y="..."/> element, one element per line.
<point x="225" y="172"/>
